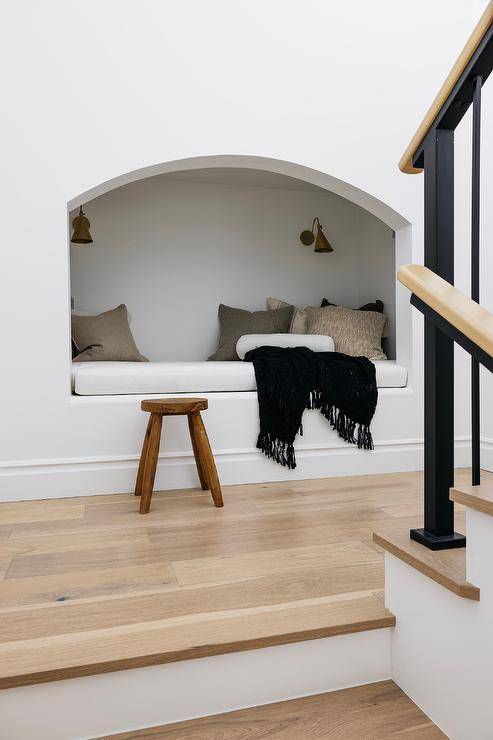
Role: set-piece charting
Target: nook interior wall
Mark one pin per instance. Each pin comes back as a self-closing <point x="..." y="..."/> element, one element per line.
<point x="173" y="250"/>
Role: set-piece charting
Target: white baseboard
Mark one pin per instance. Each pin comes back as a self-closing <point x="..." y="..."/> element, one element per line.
<point x="59" y="478"/>
<point x="144" y="697"/>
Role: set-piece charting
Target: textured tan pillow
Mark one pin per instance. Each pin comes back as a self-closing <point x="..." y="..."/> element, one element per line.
<point x="356" y="333"/>
<point x="298" y="322"/>
<point x="106" y="336"/>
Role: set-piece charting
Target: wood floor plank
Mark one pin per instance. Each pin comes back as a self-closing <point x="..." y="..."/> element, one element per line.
<point x="14" y="515"/>
<point x="351" y="482"/>
<point x="250" y="565"/>
<point x="5" y="532"/>
<point x="50" y="589"/>
<point x="5" y="563"/>
<point x="73" y="561"/>
<point x="378" y="711"/>
<point x="60" y="543"/>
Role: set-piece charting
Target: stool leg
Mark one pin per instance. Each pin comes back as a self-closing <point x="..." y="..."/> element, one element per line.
<point x="149" y="474"/>
<point x="143" y="455"/>
<point x="204" y="457"/>
<point x="200" y="469"/>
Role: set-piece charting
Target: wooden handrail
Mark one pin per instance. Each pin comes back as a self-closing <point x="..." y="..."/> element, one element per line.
<point x="467" y="316"/>
<point x="406" y="162"/>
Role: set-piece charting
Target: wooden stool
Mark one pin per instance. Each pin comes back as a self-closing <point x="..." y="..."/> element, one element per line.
<point x="206" y="467"/>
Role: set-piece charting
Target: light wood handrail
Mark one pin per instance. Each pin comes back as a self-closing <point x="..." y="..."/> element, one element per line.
<point x="406" y="162"/>
<point x="474" y="321"/>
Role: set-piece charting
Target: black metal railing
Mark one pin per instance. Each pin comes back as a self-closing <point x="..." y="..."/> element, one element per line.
<point x="435" y="155"/>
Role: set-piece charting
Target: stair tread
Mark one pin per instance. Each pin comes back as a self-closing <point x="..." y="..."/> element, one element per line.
<point x="446" y="567"/>
<point x="475" y="497"/>
<point x="127" y="646"/>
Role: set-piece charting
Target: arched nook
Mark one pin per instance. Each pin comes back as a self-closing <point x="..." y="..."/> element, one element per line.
<point x="174" y="240"/>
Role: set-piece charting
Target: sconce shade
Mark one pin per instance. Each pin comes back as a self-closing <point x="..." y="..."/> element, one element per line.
<point x="322" y="244"/>
<point x="308" y="236"/>
<point x="81" y="225"/>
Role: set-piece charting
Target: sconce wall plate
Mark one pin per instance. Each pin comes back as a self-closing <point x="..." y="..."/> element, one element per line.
<point x="307" y="237"/>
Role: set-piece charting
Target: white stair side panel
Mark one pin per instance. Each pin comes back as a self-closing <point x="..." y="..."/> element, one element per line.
<point x="441" y="650"/>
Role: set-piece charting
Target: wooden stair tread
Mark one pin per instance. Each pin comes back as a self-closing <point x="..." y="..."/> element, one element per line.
<point x="474" y="321"/>
<point x="475" y="497"/>
<point x="122" y="647"/>
<point x="446" y="567"/>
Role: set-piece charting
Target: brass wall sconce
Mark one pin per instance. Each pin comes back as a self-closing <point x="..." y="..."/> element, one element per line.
<point x="322" y="244"/>
<point x="81" y="225"/>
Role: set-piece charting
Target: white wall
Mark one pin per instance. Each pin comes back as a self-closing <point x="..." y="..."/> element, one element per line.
<point x="173" y="250"/>
<point x="102" y="89"/>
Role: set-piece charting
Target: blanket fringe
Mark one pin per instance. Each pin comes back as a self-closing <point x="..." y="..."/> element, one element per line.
<point x="348" y="430"/>
<point x="281" y="452"/>
<point x="342" y="424"/>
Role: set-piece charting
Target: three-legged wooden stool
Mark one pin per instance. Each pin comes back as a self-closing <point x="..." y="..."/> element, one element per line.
<point x="206" y="467"/>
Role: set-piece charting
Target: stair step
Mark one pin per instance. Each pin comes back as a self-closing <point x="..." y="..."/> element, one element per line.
<point x="475" y="497"/>
<point x="83" y="653"/>
<point x="446" y="567"/>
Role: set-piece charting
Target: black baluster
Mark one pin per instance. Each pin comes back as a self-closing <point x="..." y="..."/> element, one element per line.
<point x="475" y="215"/>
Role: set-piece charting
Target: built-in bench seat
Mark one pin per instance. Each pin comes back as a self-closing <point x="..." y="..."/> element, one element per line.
<point x="124" y="378"/>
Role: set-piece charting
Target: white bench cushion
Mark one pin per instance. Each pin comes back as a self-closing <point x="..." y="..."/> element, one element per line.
<point x="123" y="378"/>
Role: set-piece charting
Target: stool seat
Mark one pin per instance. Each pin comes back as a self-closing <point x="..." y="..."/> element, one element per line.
<point x="204" y="459"/>
<point x="174" y="406"/>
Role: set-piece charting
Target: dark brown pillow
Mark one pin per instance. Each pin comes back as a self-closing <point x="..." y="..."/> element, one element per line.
<point x="377" y="306"/>
<point x="235" y="322"/>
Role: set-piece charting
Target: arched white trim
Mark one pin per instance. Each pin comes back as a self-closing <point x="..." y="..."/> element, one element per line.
<point x="321" y="179"/>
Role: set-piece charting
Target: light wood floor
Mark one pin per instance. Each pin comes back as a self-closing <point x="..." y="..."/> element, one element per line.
<point x="88" y="585"/>
<point x="378" y="711"/>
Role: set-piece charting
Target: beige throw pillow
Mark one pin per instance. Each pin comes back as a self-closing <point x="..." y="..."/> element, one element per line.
<point x="356" y="333"/>
<point x="106" y="336"/>
<point x="298" y="322"/>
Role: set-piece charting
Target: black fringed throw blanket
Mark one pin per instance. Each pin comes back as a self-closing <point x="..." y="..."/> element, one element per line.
<point x="292" y="379"/>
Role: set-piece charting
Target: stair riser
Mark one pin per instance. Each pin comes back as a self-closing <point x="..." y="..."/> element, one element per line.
<point x="145" y="697"/>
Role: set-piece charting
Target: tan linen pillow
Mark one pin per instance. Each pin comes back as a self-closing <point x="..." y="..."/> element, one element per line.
<point x="234" y="322"/>
<point x="106" y="336"/>
<point x="298" y="322"/>
<point x="356" y="333"/>
<point x="376" y="305"/>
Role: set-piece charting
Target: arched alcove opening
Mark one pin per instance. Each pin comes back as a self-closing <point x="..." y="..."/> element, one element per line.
<point x="174" y="240"/>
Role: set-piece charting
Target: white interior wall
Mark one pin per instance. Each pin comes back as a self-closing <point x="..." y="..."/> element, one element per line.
<point x="173" y="250"/>
<point x="122" y="85"/>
